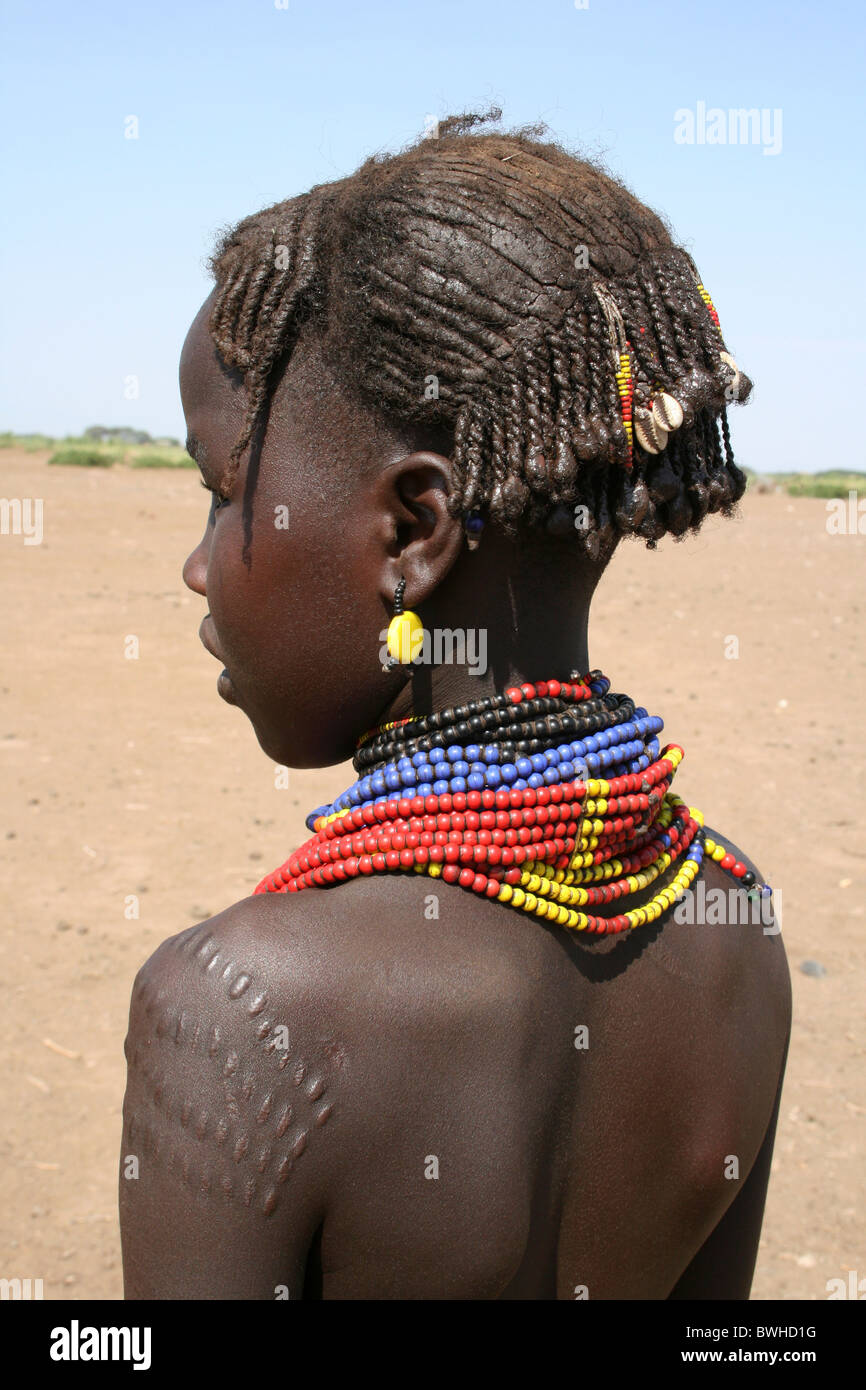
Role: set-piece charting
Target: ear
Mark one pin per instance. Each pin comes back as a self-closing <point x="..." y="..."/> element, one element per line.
<point x="422" y="540"/>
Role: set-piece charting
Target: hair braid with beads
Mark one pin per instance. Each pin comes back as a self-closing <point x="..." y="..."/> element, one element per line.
<point x="495" y="265"/>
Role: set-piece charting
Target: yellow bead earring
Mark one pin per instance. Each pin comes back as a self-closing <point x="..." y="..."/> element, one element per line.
<point x="405" y="631"/>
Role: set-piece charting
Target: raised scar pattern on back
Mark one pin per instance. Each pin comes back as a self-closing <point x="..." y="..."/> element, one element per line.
<point x="247" y="1148"/>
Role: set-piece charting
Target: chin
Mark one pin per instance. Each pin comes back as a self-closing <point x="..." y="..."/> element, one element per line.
<point x="275" y="746"/>
<point x="314" y="750"/>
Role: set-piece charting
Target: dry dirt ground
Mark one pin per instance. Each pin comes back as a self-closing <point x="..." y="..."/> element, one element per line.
<point x="130" y="778"/>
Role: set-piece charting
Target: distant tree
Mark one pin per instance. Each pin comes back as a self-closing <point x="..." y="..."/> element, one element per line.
<point x="117" y="434"/>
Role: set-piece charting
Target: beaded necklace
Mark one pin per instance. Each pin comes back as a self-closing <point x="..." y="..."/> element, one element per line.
<point x="503" y="797"/>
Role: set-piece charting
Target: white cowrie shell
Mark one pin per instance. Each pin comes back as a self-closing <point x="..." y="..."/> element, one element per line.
<point x="667" y="412"/>
<point x="728" y="360"/>
<point x="651" y="436"/>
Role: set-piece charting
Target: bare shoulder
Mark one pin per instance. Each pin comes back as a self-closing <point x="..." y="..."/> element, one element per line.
<point x="330" y="958"/>
<point x="278" y="1012"/>
<point x="244" y="961"/>
<point x="234" y="1112"/>
<point x="253" y="1000"/>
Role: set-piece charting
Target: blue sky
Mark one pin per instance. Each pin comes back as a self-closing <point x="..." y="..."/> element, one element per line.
<point x="241" y="103"/>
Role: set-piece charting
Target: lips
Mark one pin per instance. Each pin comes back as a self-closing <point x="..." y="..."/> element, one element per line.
<point x="225" y="689"/>
<point x="207" y="641"/>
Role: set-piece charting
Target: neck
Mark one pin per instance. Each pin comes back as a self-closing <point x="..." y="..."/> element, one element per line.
<point x="484" y="635"/>
<point x="431" y="687"/>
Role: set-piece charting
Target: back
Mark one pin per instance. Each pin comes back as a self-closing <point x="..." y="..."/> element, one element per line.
<point x="556" y="1117"/>
<point x="509" y="1111"/>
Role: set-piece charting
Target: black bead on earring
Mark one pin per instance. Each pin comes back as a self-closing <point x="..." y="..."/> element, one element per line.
<point x="405" y="631"/>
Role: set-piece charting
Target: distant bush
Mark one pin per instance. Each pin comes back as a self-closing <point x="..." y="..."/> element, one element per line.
<point x="85" y="458"/>
<point x="831" y="482"/>
<point x="827" y="484"/>
<point x="99" y="448"/>
<point x="166" y="457"/>
<point x="28" y="442"/>
<point x="838" y="473"/>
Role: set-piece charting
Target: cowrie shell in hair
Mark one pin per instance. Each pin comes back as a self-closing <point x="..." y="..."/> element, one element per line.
<point x="667" y="412"/>
<point x="729" y="362"/>
<point x="651" y="436"/>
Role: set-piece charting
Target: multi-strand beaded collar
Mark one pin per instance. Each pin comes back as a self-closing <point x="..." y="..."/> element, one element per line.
<point x="554" y="798"/>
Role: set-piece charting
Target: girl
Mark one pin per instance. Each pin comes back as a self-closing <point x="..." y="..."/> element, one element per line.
<point x="458" y="1046"/>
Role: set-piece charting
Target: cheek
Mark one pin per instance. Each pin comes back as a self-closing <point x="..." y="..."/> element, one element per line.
<point x="243" y="592"/>
<point x="277" y="612"/>
<point x="298" y="629"/>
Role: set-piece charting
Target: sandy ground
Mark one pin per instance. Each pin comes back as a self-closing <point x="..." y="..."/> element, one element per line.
<point x="130" y="778"/>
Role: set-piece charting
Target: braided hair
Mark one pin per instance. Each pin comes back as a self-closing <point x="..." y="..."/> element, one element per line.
<point x="485" y="285"/>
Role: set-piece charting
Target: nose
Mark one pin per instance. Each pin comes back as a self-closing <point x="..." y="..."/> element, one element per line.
<point x="195" y="566"/>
